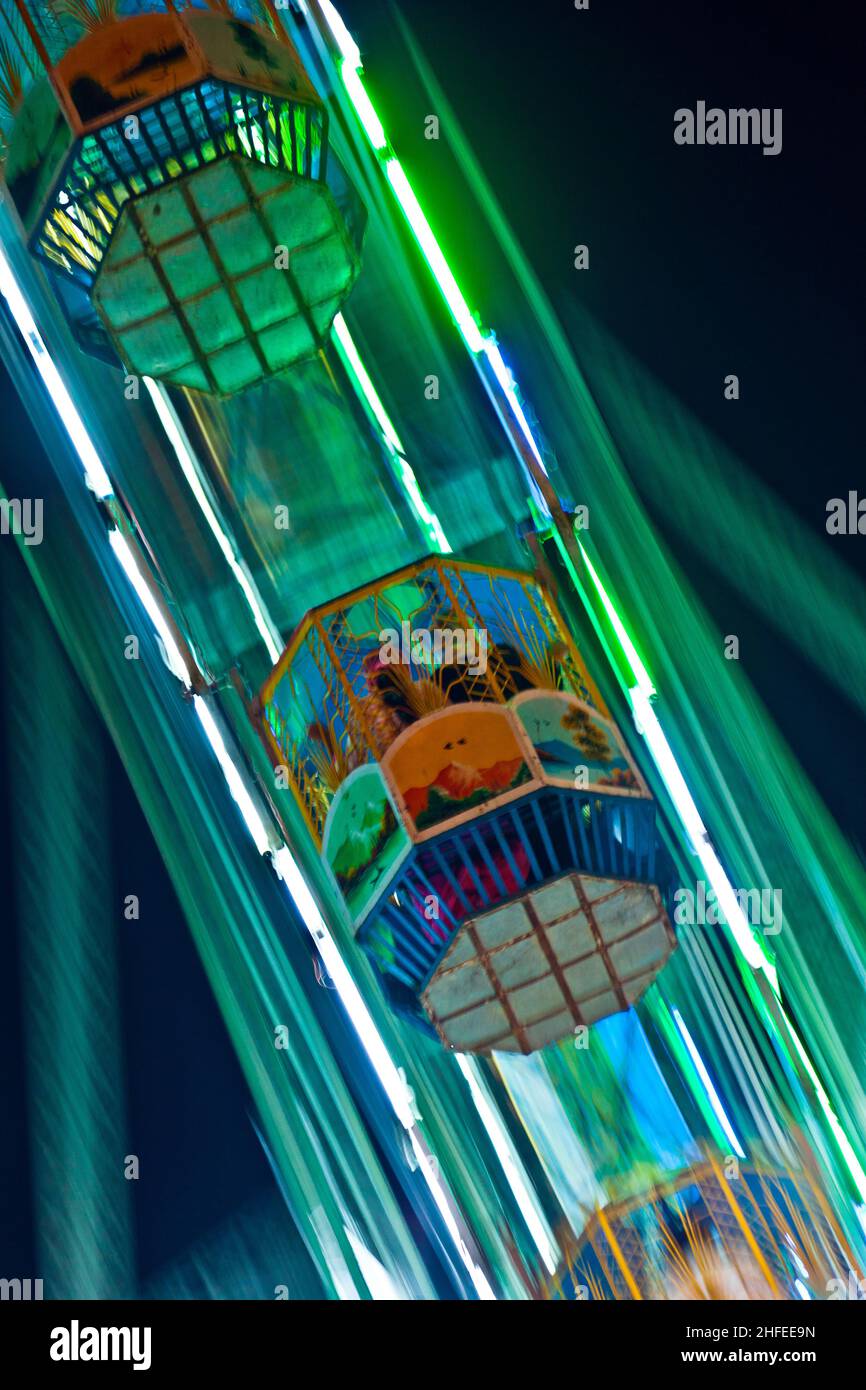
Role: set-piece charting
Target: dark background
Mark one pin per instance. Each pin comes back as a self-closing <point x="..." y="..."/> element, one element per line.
<point x="751" y="264"/>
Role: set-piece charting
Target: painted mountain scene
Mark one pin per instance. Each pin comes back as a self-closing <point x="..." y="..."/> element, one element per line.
<point x="567" y="734"/>
<point x="456" y="760"/>
<point x="363" y="840"/>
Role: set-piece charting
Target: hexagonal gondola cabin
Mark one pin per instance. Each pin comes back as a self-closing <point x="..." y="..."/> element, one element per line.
<point x="705" y="1234"/>
<point x="474" y="803"/>
<point x="175" y="168"/>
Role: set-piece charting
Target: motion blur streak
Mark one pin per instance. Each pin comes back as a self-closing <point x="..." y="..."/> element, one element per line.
<point x="179" y="442"/>
<point x="569" y="1129"/>
<point x="286" y="866"/>
<point x="660" y="607"/>
<point x="428" y="520"/>
<point x="95" y="475"/>
<point x="719" y="1109"/>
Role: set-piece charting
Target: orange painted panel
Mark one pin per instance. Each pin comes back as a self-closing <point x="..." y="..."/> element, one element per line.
<point x="124" y="66"/>
<point x="455" y="760"/>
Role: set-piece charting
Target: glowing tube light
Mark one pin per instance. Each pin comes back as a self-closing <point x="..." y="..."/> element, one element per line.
<point x="479" y="1279"/>
<point x="712" y="1093"/>
<point x="853" y="1164"/>
<point x="683" y="1060"/>
<point x="252" y="820"/>
<point x="343" y="39"/>
<point x="376" y="1276"/>
<point x="124" y="553"/>
<point x="352" y="361"/>
<point x="388" y="1073"/>
<point x="94" y="473"/>
<point x="475" y="340"/>
<point x="639" y="671"/>
<point x="432" y="252"/>
<point x="363" y="105"/>
<point x="508" y="386"/>
<point x="177" y="438"/>
<point x="352" y="358"/>
<point x="374" y="130"/>
<point x="649" y="726"/>
<point x="504" y="1150"/>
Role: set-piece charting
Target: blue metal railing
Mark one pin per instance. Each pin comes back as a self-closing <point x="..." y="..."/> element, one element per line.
<point x="493" y="859"/>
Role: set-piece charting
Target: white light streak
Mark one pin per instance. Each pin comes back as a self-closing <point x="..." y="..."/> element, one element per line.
<point x="712" y="1093"/>
<point x="188" y="465"/>
<point x="94" y="472"/>
<point x="504" y="1149"/>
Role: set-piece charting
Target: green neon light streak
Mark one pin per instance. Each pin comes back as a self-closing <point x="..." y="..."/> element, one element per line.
<point x="373" y="127"/>
<point x="466" y="322"/>
<point x="639" y="671"/>
<point x="852" y="1162"/>
<point x="543" y="526"/>
<point x="432" y="252"/>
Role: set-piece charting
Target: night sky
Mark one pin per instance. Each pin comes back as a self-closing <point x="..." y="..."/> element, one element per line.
<point x="747" y="264"/>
